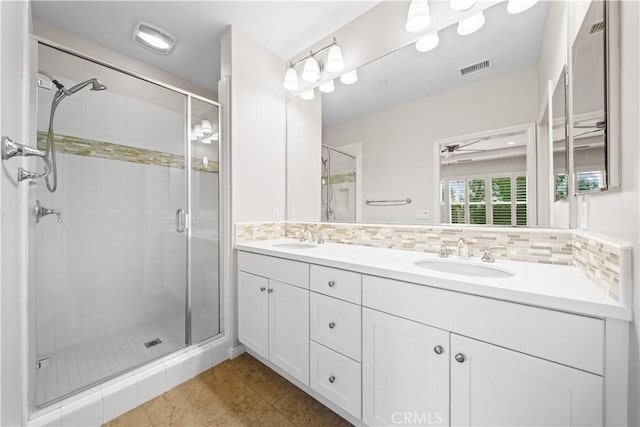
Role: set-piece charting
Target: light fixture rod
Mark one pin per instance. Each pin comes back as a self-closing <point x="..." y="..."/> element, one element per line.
<point x="313" y="54"/>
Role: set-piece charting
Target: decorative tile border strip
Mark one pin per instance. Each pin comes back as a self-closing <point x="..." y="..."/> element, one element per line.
<point x="251" y="232"/>
<point x="344" y="178"/>
<point x="600" y="259"/>
<point x="67" y="144"/>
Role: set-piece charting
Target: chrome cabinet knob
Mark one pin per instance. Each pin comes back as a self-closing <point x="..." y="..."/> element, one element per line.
<point x="438" y="349"/>
<point x="332" y="325"/>
<point x="262" y="289"/>
<point x="270" y="290"/>
<point x="460" y="358"/>
<point x="332" y="379"/>
<point x="331" y="283"/>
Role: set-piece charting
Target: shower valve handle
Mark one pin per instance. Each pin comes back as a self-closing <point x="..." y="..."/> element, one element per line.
<point x="42" y="212"/>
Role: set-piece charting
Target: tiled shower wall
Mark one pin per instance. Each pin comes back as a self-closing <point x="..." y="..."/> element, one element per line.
<point x="116" y="261"/>
<point x="600" y="259"/>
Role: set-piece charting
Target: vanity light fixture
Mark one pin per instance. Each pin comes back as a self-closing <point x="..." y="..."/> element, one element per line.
<point x="311" y="70"/>
<point x="206" y="127"/>
<point x="419" y="16"/>
<point x="462" y="5"/>
<point x="197" y="131"/>
<point x="308" y="94"/>
<point x="428" y="42"/>
<point x="313" y="67"/>
<point x="335" y="64"/>
<point x="471" y="24"/>
<point x="153" y="38"/>
<point x="511" y="143"/>
<point x="291" y="79"/>
<point x="349" y="78"/>
<point x="210" y="139"/>
<point x="517" y="6"/>
<point x="327" y="87"/>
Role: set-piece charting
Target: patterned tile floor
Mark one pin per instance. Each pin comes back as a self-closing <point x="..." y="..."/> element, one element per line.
<point x="238" y="392"/>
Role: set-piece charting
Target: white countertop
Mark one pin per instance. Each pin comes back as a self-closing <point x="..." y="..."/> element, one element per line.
<point x="556" y="287"/>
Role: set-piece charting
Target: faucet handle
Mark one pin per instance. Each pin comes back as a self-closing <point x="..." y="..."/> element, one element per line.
<point x="442" y="252"/>
<point x="321" y="240"/>
<point x="487" y="256"/>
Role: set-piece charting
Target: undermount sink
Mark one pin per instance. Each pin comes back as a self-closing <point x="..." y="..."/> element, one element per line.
<point x="295" y="245"/>
<point x="464" y="268"/>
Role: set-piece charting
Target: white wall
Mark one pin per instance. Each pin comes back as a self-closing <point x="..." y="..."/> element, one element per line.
<point x="304" y="139"/>
<point x="71" y="41"/>
<point x="13" y="114"/>
<point x="258" y="129"/>
<point x="397" y="143"/>
<point x="615" y="213"/>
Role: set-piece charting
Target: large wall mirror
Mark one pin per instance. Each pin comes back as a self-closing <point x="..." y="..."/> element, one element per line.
<point x="449" y="135"/>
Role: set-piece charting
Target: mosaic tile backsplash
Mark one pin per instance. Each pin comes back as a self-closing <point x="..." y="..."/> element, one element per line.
<point x="67" y="144"/>
<point x="599" y="260"/>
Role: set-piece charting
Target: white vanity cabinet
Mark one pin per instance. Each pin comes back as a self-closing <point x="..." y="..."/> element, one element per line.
<point x="389" y="352"/>
<point x="491" y="385"/>
<point x="273" y="315"/>
<point x="405" y="372"/>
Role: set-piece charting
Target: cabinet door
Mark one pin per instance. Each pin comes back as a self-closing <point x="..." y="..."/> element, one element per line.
<point x="404" y="379"/>
<point x="253" y="314"/>
<point x="289" y="329"/>
<point x="491" y="385"/>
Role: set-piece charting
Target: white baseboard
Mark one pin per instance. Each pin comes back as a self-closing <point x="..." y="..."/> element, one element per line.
<point x="237" y="351"/>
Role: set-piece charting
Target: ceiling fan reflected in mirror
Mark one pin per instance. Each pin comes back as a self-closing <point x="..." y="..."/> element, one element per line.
<point x="448" y="151"/>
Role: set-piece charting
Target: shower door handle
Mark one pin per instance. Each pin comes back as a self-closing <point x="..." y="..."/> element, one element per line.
<point x="180" y="220"/>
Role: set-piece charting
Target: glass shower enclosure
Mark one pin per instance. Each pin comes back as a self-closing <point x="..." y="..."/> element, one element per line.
<point x="338" y="181"/>
<point x="129" y="270"/>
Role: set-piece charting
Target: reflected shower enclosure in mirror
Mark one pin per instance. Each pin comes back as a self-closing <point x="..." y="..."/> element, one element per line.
<point x="589" y="94"/>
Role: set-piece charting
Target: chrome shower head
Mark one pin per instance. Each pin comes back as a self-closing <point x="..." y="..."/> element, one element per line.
<point x="95" y="85"/>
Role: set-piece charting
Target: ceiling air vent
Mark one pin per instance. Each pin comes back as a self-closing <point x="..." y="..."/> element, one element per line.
<point x="597" y="27"/>
<point x="475" y="68"/>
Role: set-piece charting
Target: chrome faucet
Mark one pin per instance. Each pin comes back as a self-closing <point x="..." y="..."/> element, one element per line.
<point x="42" y="212"/>
<point x="463" y="248"/>
<point x="307" y="236"/>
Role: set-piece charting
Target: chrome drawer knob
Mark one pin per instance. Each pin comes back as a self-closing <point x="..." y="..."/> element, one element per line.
<point x="460" y="358"/>
<point x="270" y="290"/>
<point x="262" y="289"/>
<point x="332" y="379"/>
<point x="438" y="349"/>
<point x="332" y="325"/>
<point x="331" y="283"/>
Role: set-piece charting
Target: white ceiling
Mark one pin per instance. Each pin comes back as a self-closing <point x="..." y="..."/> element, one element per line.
<point x="284" y="27"/>
<point x="509" y="41"/>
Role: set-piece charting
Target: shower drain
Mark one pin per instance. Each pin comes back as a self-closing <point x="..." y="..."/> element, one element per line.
<point x="153" y="342"/>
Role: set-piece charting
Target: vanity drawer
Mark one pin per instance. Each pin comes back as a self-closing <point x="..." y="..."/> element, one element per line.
<point x="334" y="282"/>
<point x="337" y="324"/>
<point x="565" y="338"/>
<point x="283" y="270"/>
<point x="337" y="378"/>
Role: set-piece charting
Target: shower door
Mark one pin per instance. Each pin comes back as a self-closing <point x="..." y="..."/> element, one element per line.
<point x="111" y="279"/>
<point x="204" y="207"/>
